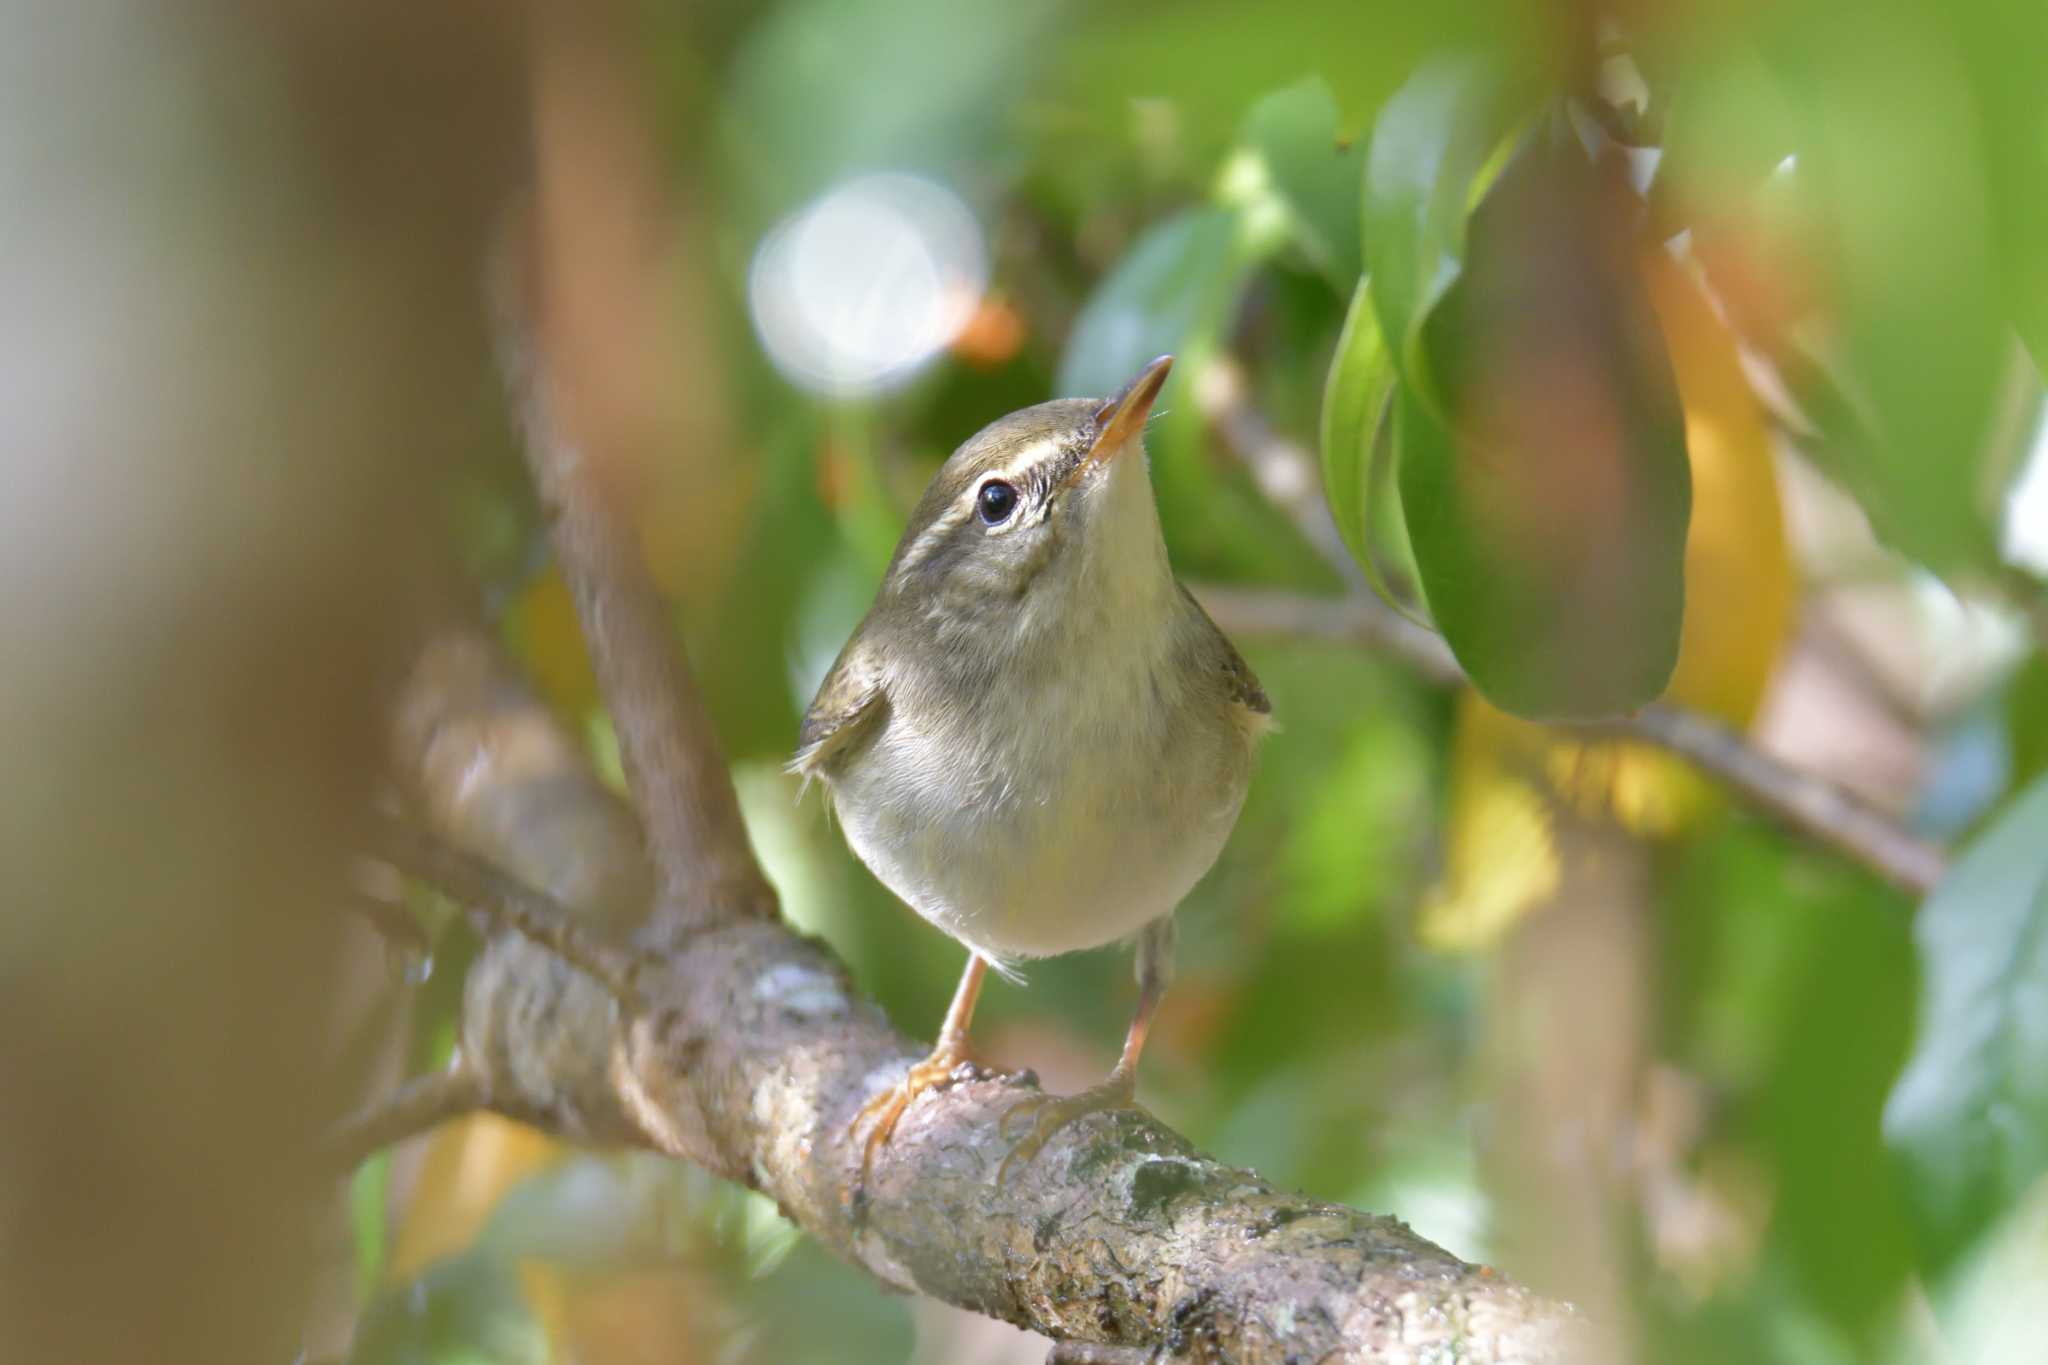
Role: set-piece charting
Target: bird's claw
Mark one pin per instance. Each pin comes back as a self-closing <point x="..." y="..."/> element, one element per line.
<point x="884" y="1111"/>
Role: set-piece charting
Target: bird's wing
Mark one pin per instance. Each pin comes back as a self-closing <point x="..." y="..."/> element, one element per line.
<point x="849" y="703"/>
<point x="1240" y="684"/>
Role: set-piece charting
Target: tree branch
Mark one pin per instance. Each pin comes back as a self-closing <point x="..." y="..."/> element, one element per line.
<point x="1823" y="811"/>
<point x="1810" y="806"/>
<point x="1807" y="805"/>
<point x="751" y="1053"/>
<point x="416" y="1106"/>
<point x="497" y="900"/>
<point x="705" y="871"/>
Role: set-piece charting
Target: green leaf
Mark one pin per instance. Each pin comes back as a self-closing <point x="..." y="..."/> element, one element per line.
<point x="1923" y="343"/>
<point x="464" y="1310"/>
<point x="1909" y="367"/>
<point x="1360" y="382"/>
<point x="1174" y="292"/>
<point x="368" y="1193"/>
<point x="1548" y="515"/>
<point x="1172" y="288"/>
<point x="1785" y="980"/>
<point x="819" y="90"/>
<point x="1314" y="177"/>
<point x="1968" y="1120"/>
<point x="1429" y="145"/>
<point x="1355" y="407"/>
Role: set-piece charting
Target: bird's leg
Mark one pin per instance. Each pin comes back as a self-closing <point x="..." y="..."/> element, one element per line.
<point x="885" y="1109"/>
<point x="1053" y="1112"/>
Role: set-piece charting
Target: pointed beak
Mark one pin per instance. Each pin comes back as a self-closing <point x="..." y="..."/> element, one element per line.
<point x="1119" y="420"/>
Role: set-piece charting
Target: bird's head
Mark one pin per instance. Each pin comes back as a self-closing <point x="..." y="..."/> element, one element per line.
<point x="1041" y="520"/>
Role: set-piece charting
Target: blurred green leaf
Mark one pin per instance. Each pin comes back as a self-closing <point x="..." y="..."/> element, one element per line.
<point x="467" y="1310"/>
<point x="1169" y="293"/>
<point x="1355" y="407"/>
<point x="1294" y="133"/>
<point x="2002" y="41"/>
<point x="1174" y="293"/>
<point x="1786" y="978"/>
<point x="815" y="1309"/>
<point x="824" y="89"/>
<point x="1968" y="1120"/>
<point x="368" y="1196"/>
<point x="1727" y="128"/>
<point x="1176" y="76"/>
<point x="1888" y="136"/>
<point x="1549" y="519"/>
<point x="2026" y="719"/>
<point x="1429" y="145"/>
<point x="792" y="540"/>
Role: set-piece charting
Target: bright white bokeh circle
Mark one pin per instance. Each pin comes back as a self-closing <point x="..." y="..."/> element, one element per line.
<point x="859" y="288"/>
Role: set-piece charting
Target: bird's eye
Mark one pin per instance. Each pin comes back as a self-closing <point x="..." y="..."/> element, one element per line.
<point x="996" y="501"/>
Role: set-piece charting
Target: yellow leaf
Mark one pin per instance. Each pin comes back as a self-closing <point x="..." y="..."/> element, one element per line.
<point x="1738" y="569"/>
<point x="1499" y="855"/>
<point x="470" y="1164"/>
<point x="1508" y="775"/>
<point x="549" y="640"/>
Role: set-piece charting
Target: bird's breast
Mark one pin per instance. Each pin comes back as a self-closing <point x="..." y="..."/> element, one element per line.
<point x="1058" y="808"/>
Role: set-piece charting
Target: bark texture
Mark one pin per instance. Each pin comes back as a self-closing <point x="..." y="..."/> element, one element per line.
<point x="750" y="1051"/>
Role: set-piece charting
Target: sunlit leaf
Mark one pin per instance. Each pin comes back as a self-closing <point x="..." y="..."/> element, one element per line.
<point x="1739" y="580"/>
<point x="470" y="1165"/>
<point x="1429" y="144"/>
<point x="1355" y="398"/>
<point x="1968" y="1120"/>
<point x="1994" y="1312"/>
<point x="1549" y="519"/>
<point x="1500" y="859"/>
<point x="1294" y="134"/>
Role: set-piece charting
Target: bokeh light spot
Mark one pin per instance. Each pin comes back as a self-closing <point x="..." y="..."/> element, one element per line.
<point x="857" y="290"/>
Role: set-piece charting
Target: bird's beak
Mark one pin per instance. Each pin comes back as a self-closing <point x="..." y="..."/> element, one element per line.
<point x="1119" y="420"/>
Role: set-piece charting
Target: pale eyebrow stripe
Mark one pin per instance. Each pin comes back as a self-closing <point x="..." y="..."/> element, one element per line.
<point x="1039" y="452"/>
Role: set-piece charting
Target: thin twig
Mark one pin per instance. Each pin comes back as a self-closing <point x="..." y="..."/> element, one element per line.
<point x="705" y="869"/>
<point x="752" y="1053"/>
<point x="498" y="899"/>
<point x="1808" y="805"/>
<point x="417" y="1105"/>
<point x="1822" y="810"/>
<point x="393" y="923"/>
<point x="1284" y="471"/>
<point x="1360" y="619"/>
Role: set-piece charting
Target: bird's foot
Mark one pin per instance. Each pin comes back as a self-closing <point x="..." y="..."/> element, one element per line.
<point x="1050" y="1113"/>
<point x="881" y="1113"/>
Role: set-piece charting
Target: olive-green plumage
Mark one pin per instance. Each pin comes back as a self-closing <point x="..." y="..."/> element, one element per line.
<point x="1037" y="738"/>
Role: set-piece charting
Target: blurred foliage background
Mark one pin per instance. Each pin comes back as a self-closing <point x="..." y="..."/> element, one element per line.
<point x="1648" y="349"/>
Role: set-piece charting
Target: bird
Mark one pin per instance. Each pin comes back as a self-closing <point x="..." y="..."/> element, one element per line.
<point x="1037" y="738"/>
